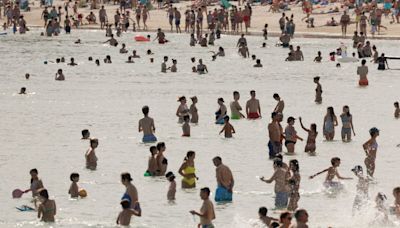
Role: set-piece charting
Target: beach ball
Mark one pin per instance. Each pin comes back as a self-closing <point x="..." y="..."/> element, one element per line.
<point x="82" y="193"/>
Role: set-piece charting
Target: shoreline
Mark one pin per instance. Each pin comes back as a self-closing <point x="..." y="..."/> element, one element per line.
<point x="308" y="35"/>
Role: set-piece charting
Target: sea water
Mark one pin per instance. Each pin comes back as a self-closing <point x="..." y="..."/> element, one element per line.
<point x="42" y="129"/>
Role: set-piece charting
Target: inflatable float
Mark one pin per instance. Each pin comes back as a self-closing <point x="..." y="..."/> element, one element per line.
<point x="141" y="39"/>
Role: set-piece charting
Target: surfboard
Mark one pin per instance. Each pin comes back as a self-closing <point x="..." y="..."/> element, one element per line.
<point x="25" y="208"/>
<point x="225" y="4"/>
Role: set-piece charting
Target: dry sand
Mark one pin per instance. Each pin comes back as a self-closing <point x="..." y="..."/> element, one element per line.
<point x="158" y="19"/>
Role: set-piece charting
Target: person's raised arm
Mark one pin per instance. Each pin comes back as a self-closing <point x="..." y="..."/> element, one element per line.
<point x="323" y="171"/>
<point x="302" y="126"/>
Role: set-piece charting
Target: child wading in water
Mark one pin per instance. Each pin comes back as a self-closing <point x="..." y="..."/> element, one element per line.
<point x="228" y="128"/>
<point x="91" y="159"/>
<point x="186" y="127"/>
<point x="332" y="173"/>
<point x="74" y="189"/>
<point x="312" y="135"/>
<point x="172" y="186"/>
<point x="124" y="217"/>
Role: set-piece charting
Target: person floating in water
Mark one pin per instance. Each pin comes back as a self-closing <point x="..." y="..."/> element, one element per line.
<point x="22" y="91"/>
<point x="146" y="124"/>
<point x="112" y="41"/>
<point x="331" y="174"/>
<point x="85" y="134"/>
<point x="253" y="109"/>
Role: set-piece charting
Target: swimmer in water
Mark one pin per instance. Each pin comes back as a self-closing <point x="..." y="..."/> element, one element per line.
<point x="47" y="208"/>
<point x="182" y="110"/>
<point x="396" y="110"/>
<point x="162" y="162"/>
<point x="149" y="52"/>
<point x="201" y="68"/>
<point x="362" y="71"/>
<point x="112" y="41"/>
<point x="152" y="164"/>
<point x="330" y="122"/>
<point x="146" y="124"/>
<point x="253" y="57"/>
<point x="361" y="198"/>
<point x="164" y="65"/>
<point x="186" y="126"/>
<point x="291" y="136"/>
<point x="74" y="189"/>
<point x="108" y="59"/>
<point x="78" y="41"/>
<point x="228" y="128"/>
<point x="22" y="91"/>
<point x="207" y="213"/>
<point x="131" y="193"/>
<point x="85" y="134"/>
<point x="370" y="148"/>
<point x="172" y="186"/>
<point x="318" y="58"/>
<point x="262" y="214"/>
<point x="27" y="76"/>
<point x="193" y="111"/>
<point x="281" y="188"/>
<point x="134" y="55"/>
<point x="59" y="75"/>
<point x="173" y="68"/>
<point x="318" y="91"/>
<point x="235" y="107"/>
<point x="123" y="49"/>
<point x="36" y="183"/>
<point x="72" y="63"/>
<point x="129" y="60"/>
<point x="90" y="155"/>
<point x="253" y="109"/>
<point x="258" y="63"/>
<point x="347" y="124"/>
<point x="331" y="174"/>
<point x="124" y="217"/>
<point x="280" y="105"/>
<point x="312" y="135"/>
<point x="97" y="62"/>
<point x="187" y="171"/>
<point x="244" y="51"/>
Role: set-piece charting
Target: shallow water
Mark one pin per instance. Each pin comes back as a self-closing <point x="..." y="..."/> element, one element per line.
<point x="42" y="130"/>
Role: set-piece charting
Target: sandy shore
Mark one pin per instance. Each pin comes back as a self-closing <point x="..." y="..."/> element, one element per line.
<point x="158" y="19"/>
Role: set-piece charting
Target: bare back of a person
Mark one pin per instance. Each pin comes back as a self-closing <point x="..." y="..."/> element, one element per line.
<point x="147" y="124"/>
<point x="331" y="174"/>
<point x="228" y="130"/>
<point x="48" y="210"/>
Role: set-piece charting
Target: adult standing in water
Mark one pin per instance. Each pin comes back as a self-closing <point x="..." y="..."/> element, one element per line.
<point x="222" y="111"/>
<point x="162" y="162"/>
<point x="291" y="135"/>
<point x="347" y="124"/>
<point x="182" y="110"/>
<point x="225" y="181"/>
<point x="294" y="184"/>
<point x="382" y="62"/>
<point x="280" y="105"/>
<point x="131" y="193"/>
<point x="274" y="132"/>
<point x="146" y="124"/>
<point x="318" y="91"/>
<point x="187" y="171"/>
<point x="253" y="109"/>
<point x="207" y="213"/>
<point x="370" y="148"/>
<point x="193" y="111"/>
<point x="330" y="121"/>
<point x="235" y="107"/>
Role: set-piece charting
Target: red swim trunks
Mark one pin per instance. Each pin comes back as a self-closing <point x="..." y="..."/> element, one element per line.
<point x="253" y="115"/>
<point x="363" y="82"/>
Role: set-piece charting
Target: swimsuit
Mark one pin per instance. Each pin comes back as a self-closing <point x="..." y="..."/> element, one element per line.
<point x="328" y="126"/>
<point x="222" y="194"/>
<point x="253" y="115"/>
<point x="189" y="170"/>
<point x="235" y="116"/>
<point x="346" y="119"/>
<point x="149" y="138"/>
